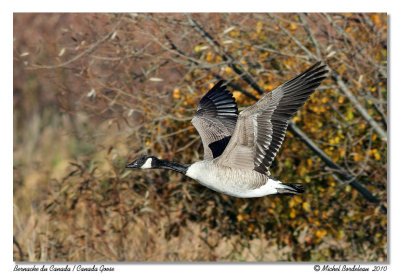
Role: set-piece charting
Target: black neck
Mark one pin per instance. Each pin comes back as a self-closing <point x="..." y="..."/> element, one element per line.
<point x="165" y="164"/>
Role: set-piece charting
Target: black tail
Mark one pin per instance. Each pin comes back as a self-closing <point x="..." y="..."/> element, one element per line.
<point x="291" y="189"/>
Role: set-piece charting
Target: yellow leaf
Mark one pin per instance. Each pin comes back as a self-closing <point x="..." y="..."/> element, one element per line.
<point x="228" y="70"/>
<point x="357" y="157"/>
<point x="250" y="228"/>
<point x="176" y="94"/>
<point x="321" y="233"/>
<point x="376" y="19"/>
<point x="349" y="115"/>
<point x="340" y="235"/>
<point x="296" y="119"/>
<point x="209" y="57"/>
<point x="259" y="27"/>
<point x="270" y="87"/>
<point x="292" y="26"/>
<point x="306" y="206"/>
<point x="237" y="95"/>
<point x="265" y="54"/>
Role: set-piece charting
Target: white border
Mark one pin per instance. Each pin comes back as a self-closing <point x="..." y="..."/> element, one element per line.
<point x="195" y="6"/>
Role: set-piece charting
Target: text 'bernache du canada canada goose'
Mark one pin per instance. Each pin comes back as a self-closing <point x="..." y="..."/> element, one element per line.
<point x="239" y="148"/>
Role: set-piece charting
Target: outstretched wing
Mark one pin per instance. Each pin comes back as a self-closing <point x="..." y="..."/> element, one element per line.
<point x="215" y="120"/>
<point x="261" y="127"/>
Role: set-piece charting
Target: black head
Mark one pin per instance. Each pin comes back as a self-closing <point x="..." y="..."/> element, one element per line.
<point x="143" y="162"/>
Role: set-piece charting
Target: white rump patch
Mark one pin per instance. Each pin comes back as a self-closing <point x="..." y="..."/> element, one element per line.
<point x="147" y="164"/>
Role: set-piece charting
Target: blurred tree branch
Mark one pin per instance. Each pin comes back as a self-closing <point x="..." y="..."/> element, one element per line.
<point x="232" y="62"/>
<point x="90" y="49"/>
<point x="342" y="86"/>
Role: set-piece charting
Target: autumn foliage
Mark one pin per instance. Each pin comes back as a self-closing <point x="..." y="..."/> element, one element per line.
<point x="94" y="91"/>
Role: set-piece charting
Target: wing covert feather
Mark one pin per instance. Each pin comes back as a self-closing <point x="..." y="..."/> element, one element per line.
<point x="215" y="120"/>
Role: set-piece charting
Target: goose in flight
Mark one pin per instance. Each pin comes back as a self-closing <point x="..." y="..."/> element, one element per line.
<point x="240" y="148"/>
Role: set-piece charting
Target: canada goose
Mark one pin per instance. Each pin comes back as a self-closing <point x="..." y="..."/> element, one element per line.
<point x="239" y="149"/>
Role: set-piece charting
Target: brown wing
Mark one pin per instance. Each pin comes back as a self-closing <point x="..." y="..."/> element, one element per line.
<point x="261" y="128"/>
<point x="215" y="120"/>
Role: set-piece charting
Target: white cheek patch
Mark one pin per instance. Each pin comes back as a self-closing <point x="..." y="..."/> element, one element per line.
<point x="147" y="164"/>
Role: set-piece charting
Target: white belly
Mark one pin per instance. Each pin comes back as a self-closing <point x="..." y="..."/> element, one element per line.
<point x="238" y="183"/>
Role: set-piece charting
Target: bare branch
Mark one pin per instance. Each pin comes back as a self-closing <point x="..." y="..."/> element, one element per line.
<point x="311" y="35"/>
<point x="364" y="113"/>
<point x="91" y="48"/>
<point x="226" y="56"/>
<point x="343" y="175"/>
<point x="343" y="87"/>
<point x="300" y="45"/>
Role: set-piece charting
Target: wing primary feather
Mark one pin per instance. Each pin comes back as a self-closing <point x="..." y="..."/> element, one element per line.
<point x="295" y="92"/>
<point x="261" y="127"/>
